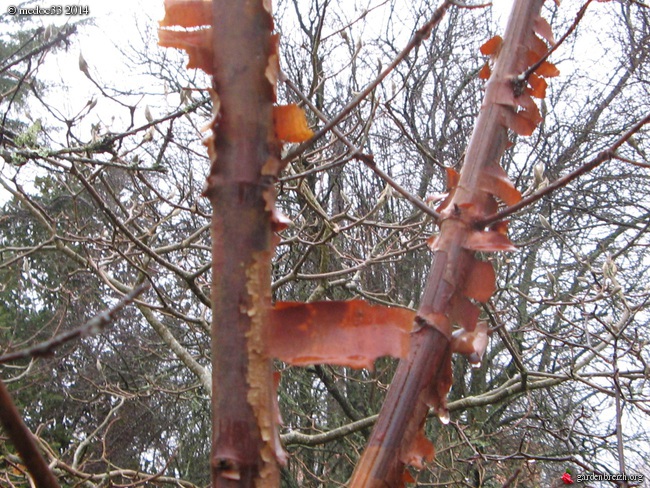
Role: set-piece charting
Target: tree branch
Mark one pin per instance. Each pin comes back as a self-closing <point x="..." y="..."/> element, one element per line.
<point x="24" y="441"/>
<point x="420" y="35"/>
<point x="603" y="156"/>
<point x="92" y="327"/>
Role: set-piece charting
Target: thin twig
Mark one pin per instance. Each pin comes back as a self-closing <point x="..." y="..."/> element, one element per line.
<point x="61" y="36"/>
<point x="419" y="36"/>
<point x="107" y="141"/>
<point x="505" y="338"/>
<point x="469" y="6"/>
<point x="103" y="479"/>
<point x="603" y="156"/>
<point x="366" y="159"/>
<point x="620" y="446"/>
<point x="512" y="478"/>
<point x="93" y="326"/>
<point x="554" y="47"/>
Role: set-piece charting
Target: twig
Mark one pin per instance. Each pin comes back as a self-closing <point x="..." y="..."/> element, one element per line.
<point x="512" y="478"/>
<point x="62" y="35"/>
<point x="103" y="479"/>
<point x="505" y="338"/>
<point x="620" y="447"/>
<point x="603" y="156"/>
<point x="631" y="161"/>
<point x="108" y="140"/>
<point x="83" y="445"/>
<point x="420" y="35"/>
<point x="539" y="62"/>
<point x="93" y="326"/>
<point x="469" y="6"/>
<point x="366" y="159"/>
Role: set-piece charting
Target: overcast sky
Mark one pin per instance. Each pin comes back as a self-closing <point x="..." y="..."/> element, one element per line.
<point x="118" y="25"/>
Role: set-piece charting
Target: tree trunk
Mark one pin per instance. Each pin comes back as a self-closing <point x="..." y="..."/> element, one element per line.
<point x="244" y="437"/>
<point x="424" y="378"/>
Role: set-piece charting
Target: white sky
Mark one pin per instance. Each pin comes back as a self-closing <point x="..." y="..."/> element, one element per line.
<point x="118" y="23"/>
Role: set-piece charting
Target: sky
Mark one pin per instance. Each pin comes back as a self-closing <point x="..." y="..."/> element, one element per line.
<point x="118" y="24"/>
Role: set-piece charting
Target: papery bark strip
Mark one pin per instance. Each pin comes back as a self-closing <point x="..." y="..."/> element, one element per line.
<point x="245" y="446"/>
<point x="425" y="377"/>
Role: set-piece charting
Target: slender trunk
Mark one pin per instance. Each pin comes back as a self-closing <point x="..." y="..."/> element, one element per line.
<point x="424" y="378"/>
<point x="243" y="450"/>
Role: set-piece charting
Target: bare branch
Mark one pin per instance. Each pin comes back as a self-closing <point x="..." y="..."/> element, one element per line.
<point x="92" y="327"/>
<point x="366" y="159"/>
<point x="24" y="442"/>
<point x="603" y="156"/>
<point x="419" y="36"/>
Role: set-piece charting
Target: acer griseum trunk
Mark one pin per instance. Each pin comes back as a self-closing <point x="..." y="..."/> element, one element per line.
<point x="235" y="45"/>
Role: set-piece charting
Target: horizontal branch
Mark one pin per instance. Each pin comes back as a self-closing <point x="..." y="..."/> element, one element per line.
<point x="511" y="388"/>
<point x="138" y="477"/>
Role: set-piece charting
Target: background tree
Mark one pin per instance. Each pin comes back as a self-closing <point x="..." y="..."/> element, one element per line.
<point x="94" y="208"/>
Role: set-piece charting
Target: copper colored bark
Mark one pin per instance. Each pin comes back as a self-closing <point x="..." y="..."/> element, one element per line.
<point x="245" y="447"/>
<point x="455" y="277"/>
<point x="244" y="146"/>
<point x="352" y="333"/>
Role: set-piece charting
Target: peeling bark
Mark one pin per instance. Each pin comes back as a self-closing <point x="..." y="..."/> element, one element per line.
<point x="245" y="446"/>
<point x="424" y="378"/>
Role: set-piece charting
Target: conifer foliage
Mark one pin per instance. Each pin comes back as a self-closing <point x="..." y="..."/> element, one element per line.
<point x="294" y="322"/>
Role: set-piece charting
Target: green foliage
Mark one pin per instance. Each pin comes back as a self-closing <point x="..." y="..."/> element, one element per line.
<point x="29" y="138"/>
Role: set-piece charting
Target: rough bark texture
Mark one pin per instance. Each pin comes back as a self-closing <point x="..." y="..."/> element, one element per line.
<point x="243" y="449"/>
<point x="424" y="378"/>
<point x="382" y="463"/>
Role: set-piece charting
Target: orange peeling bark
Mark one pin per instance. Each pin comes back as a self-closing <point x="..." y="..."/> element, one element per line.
<point x="424" y="378"/>
<point x="245" y="448"/>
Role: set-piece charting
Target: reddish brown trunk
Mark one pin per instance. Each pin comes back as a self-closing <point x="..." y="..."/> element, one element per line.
<point x="24" y="441"/>
<point x="243" y="453"/>
<point x="400" y="421"/>
<point x="423" y="379"/>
